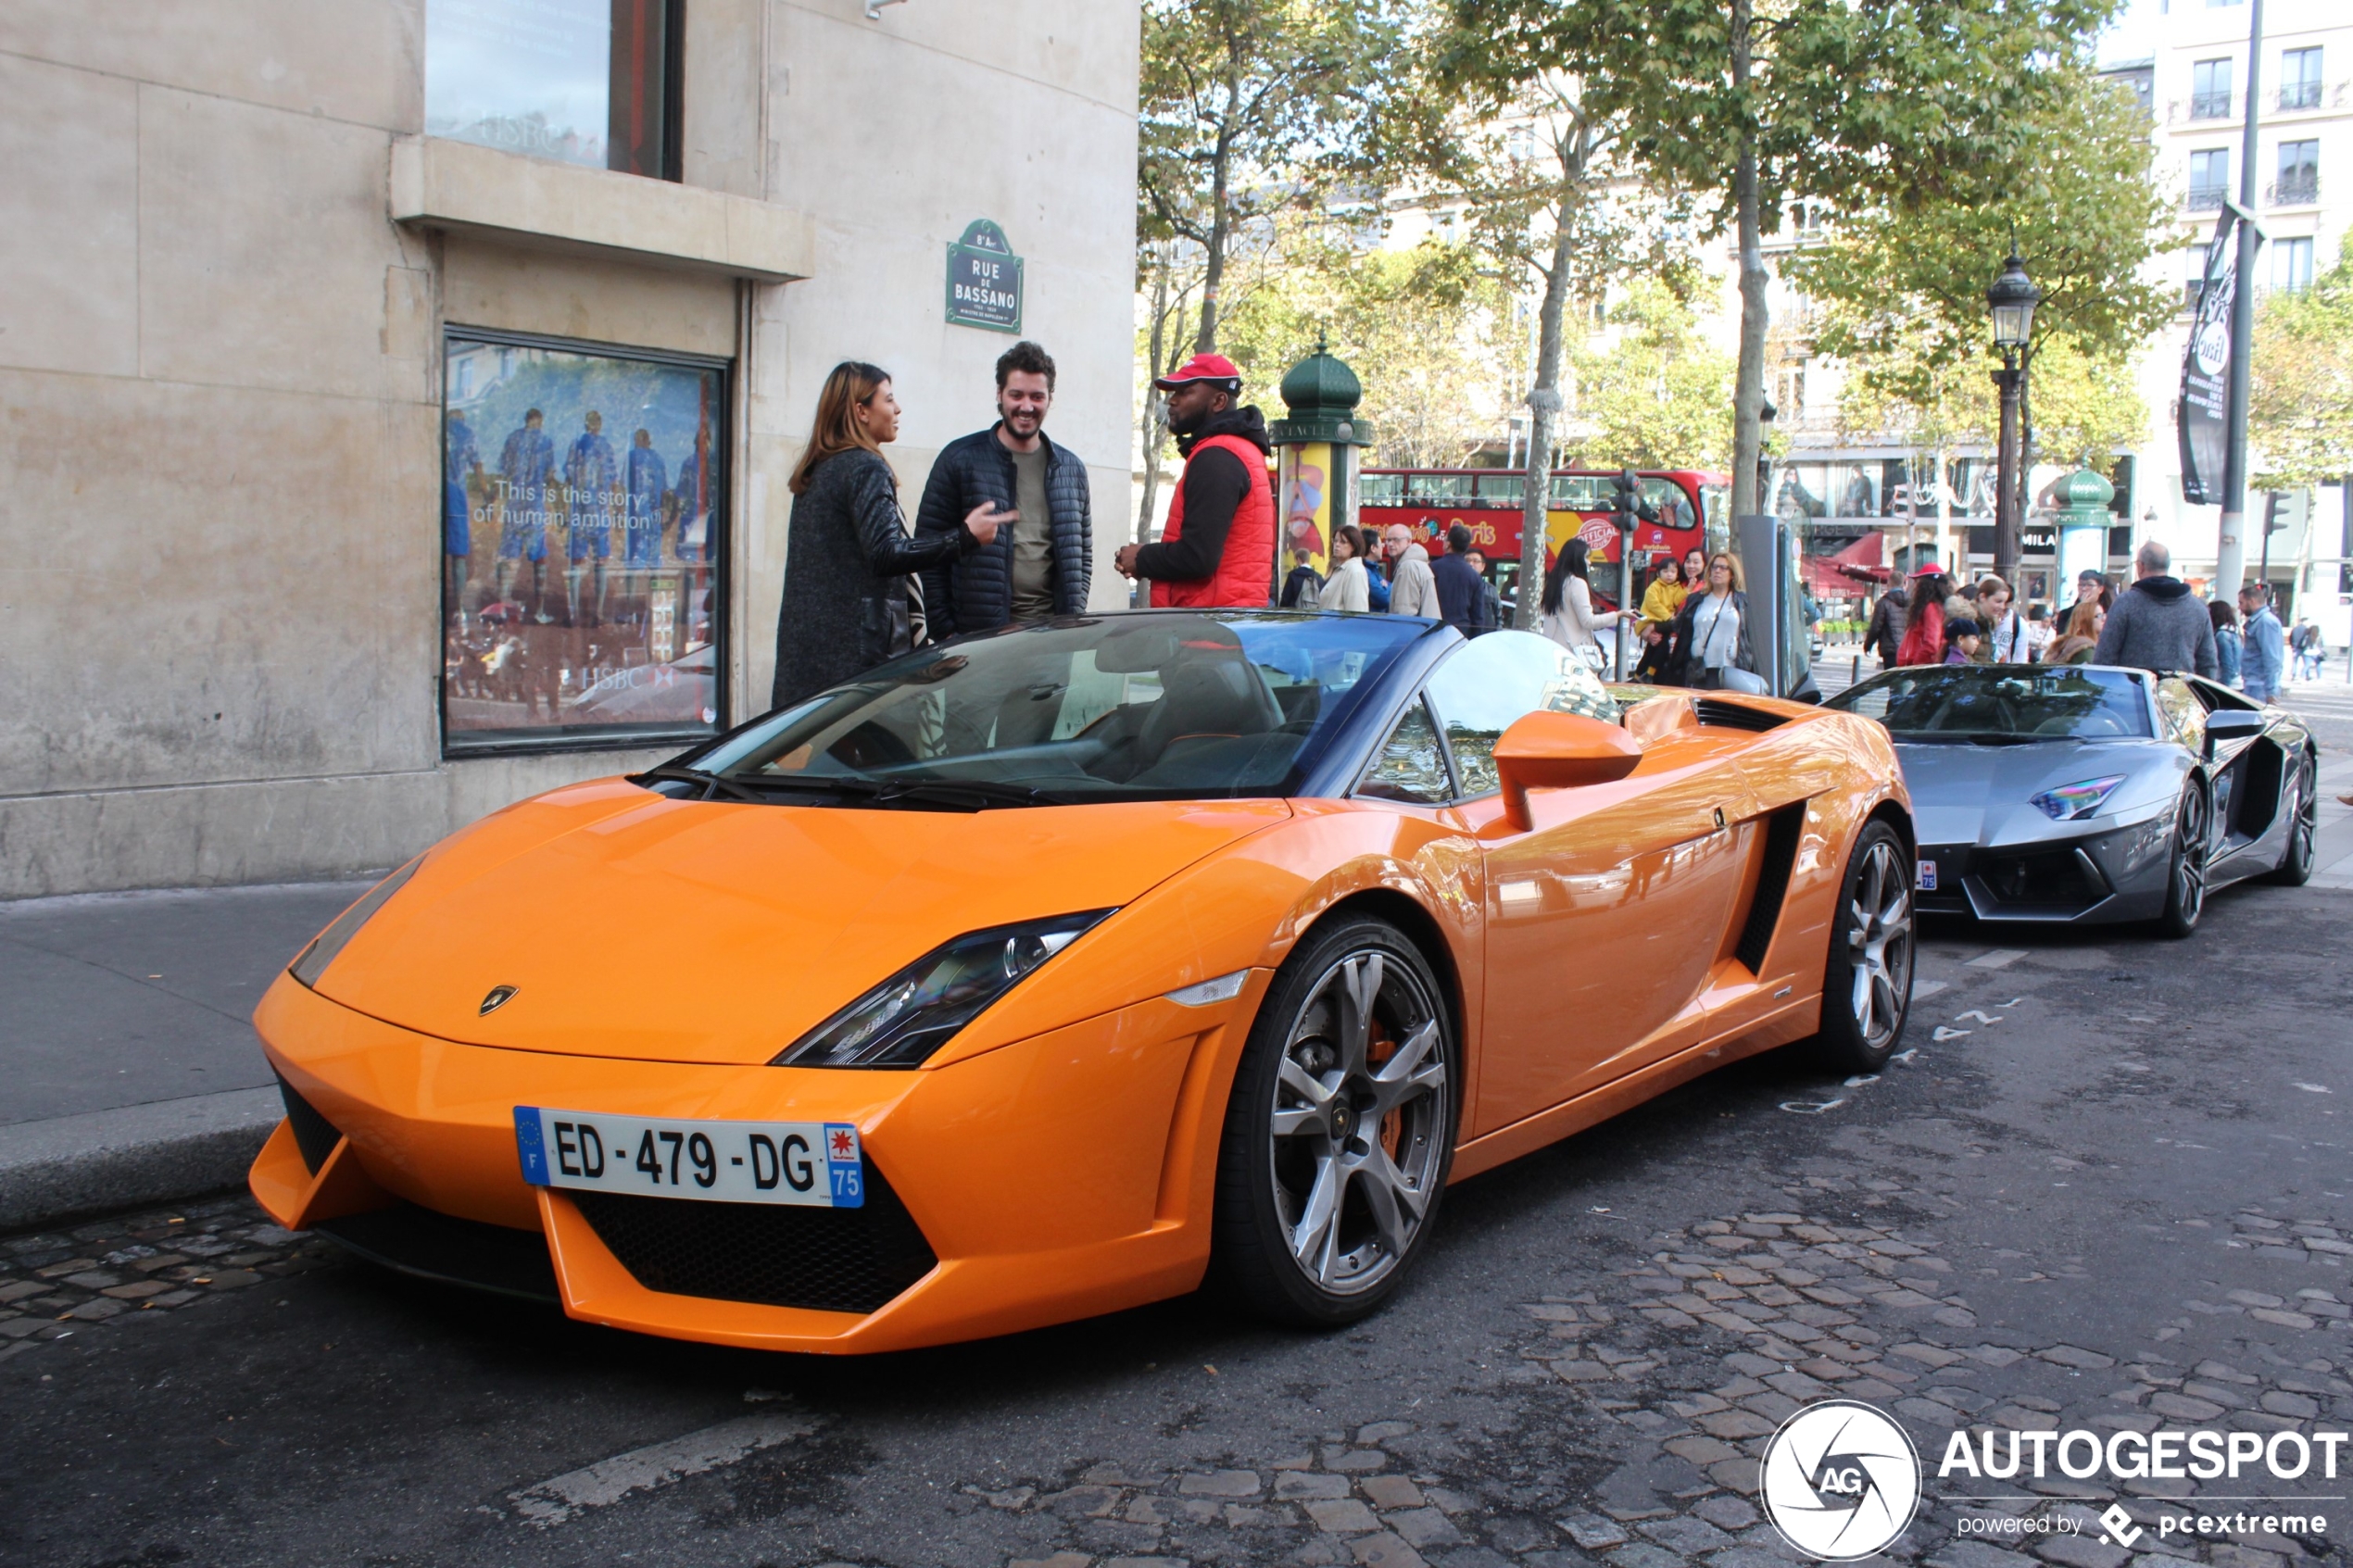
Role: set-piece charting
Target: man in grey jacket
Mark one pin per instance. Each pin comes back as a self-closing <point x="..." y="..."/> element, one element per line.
<point x="1413" y="590"/>
<point x="2157" y="623"/>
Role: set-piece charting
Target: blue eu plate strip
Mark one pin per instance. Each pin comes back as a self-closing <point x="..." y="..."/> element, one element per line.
<point x="534" y="1157"/>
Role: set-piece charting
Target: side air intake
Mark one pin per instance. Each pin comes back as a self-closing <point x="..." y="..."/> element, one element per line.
<point x="1781" y="830"/>
<point x="1735" y="716"/>
<point x="314" y="1134"/>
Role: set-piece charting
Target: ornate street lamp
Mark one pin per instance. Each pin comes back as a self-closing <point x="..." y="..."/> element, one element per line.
<point x="2012" y="299"/>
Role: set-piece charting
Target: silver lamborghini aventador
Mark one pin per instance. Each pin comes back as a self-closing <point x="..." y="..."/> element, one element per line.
<point x="2089" y="793"/>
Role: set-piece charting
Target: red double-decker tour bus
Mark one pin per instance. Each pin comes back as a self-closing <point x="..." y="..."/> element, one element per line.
<point x="1693" y="512"/>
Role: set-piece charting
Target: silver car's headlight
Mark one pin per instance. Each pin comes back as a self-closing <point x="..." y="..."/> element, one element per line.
<point x="313" y="960"/>
<point x="2064" y="803"/>
<point x="901" y="1021"/>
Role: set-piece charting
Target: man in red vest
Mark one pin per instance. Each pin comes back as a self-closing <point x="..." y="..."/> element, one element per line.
<point x="1218" y="549"/>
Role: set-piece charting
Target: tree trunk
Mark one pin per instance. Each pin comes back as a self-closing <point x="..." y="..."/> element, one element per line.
<point x="1544" y="407"/>
<point x="1213" y="271"/>
<point x="1748" y="395"/>
<point x="1152" y="433"/>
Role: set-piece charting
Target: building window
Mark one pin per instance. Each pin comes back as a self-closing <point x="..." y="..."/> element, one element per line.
<point x="2292" y="265"/>
<point x="2209" y="179"/>
<point x="583" y="544"/>
<point x="589" y="82"/>
<point x="2193" y="286"/>
<point x="2210" y="90"/>
<point x="2299" y="181"/>
<point x="2301" y="79"/>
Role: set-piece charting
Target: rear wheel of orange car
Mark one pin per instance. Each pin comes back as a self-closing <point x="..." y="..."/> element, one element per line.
<point x="1867" y="989"/>
<point x="1338" y="1132"/>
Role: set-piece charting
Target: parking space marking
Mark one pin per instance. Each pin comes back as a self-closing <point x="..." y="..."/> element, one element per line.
<point x="565" y="1497"/>
<point x="2000" y="957"/>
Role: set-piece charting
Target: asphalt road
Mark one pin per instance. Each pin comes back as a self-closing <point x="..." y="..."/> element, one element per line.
<point x="2106" y="1188"/>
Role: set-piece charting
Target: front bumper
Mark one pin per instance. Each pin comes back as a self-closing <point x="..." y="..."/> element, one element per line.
<point x="1058" y="1177"/>
<point x="2109" y="872"/>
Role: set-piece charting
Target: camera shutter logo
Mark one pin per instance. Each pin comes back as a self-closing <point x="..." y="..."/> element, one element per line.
<point x="1841" y="1480"/>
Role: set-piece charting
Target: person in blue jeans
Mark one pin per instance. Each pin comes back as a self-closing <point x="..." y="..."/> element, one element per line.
<point x="2264" y="657"/>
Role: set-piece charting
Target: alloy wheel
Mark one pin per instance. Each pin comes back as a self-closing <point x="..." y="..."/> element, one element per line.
<point x="2307" y="814"/>
<point x="2189" y="862"/>
<point x="1359" y="1124"/>
<point x="1879" y="940"/>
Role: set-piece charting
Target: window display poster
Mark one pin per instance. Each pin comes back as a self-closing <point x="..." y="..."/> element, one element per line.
<point x="524" y="76"/>
<point x="582" y="520"/>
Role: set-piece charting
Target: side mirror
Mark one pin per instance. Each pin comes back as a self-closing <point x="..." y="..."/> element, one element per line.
<point x="1547" y="750"/>
<point x="2222" y="725"/>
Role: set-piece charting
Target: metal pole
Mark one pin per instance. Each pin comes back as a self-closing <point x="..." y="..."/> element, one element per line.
<point x="2230" y="552"/>
<point x="2006" y="481"/>
<point x="1627" y="598"/>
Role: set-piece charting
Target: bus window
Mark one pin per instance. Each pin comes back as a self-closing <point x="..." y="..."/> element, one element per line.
<point x="1582" y="492"/>
<point x="1501" y="490"/>
<point x="1716" y="511"/>
<point x="1381" y="489"/>
<point x="1443" y="487"/>
<point x="1674" y="506"/>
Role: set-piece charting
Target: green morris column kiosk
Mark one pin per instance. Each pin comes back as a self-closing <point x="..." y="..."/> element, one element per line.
<point x="1314" y="456"/>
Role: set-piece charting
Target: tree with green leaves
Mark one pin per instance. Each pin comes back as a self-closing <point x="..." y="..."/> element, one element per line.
<point x="1249" y="108"/>
<point x="1660" y="395"/>
<point x="2300" y="414"/>
<point x="1754" y="105"/>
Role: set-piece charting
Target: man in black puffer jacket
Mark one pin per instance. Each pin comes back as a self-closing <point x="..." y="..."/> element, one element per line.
<point x="1042" y="562"/>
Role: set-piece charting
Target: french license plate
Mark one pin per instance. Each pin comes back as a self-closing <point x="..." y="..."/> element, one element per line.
<point x="1927" y="876"/>
<point x="810" y="1162"/>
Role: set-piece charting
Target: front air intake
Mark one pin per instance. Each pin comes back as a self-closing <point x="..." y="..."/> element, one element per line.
<point x="314" y="1134"/>
<point x="773" y="1254"/>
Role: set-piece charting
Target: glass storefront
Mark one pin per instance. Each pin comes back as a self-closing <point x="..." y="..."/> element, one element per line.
<point x="583" y="544"/>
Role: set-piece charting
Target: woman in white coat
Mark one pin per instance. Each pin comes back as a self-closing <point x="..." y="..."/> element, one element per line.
<point x="1346" y="587"/>
<point x="1569" y="618"/>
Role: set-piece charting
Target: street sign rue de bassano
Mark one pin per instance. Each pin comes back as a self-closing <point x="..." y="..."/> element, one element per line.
<point x="983" y="280"/>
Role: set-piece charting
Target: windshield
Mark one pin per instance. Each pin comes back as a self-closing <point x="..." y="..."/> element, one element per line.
<point x="1212" y="704"/>
<point x="2021" y="701"/>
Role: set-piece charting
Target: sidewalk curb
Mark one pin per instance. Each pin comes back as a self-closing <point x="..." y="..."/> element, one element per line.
<point x="68" y="1167"/>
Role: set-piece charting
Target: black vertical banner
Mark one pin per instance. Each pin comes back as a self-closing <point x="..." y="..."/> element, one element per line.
<point x="2204" y="421"/>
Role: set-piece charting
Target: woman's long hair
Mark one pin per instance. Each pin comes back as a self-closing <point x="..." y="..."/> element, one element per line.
<point x="849" y="386"/>
<point x="1568" y="563"/>
<point x="1732" y="568"/>
<point x="2225" y="618"/>
<point x="2085" y="620"/>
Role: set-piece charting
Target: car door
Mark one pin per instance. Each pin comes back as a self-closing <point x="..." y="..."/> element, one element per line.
<point x="1605" y="919"/>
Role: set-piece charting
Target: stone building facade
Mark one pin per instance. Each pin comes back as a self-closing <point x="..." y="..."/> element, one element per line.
<point x="293" y="587"/>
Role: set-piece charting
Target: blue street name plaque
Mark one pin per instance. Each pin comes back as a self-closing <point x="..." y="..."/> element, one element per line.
<point x="983" y="280"/>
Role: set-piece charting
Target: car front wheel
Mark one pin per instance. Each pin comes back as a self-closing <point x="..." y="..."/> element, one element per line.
<point x="1338" y="1132"/>
<point x="2295" y="863"/>
<point x="2185" y="874"/>
<point x="1867" y="987"/>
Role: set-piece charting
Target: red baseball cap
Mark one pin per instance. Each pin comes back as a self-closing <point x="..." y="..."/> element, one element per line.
<point x="1203" y="367"/>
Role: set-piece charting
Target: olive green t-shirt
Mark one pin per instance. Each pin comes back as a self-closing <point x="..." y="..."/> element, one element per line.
<point x="1033" y="538"/>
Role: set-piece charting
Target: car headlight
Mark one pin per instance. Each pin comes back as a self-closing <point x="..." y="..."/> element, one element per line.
<point x="901" y="1021"/>
<point x="313" y="960"/>
<point x="2068" y="802"/>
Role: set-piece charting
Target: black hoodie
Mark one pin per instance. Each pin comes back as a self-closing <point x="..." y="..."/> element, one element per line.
<point x="1214" y="486"/>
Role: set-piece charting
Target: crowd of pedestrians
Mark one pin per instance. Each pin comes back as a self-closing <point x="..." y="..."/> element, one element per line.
<point x="1004" y="534"/>
<point x="2157" y="622"/>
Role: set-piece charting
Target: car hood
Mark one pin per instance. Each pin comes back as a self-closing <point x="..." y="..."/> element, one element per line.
<point x="636" y="926"/>
<point x="1969" y="793"/>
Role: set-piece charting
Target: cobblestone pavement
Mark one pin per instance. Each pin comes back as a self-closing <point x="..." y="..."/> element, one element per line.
<point x="2102" y="1190"/>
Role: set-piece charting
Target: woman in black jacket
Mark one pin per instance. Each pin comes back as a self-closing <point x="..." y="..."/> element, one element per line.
<point x="1712" y="632"/>
<point x="849" y="601"/>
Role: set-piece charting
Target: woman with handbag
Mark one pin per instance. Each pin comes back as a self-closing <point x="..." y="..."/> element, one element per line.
<point x="1569" y="618"/>
<point x="1712" y="633"/>
<point x="850" y="599"/>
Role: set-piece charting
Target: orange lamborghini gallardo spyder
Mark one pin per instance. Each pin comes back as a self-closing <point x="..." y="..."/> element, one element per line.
<point x="1053" y="971"/>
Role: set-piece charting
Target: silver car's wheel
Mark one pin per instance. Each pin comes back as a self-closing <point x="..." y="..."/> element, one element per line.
<point x="2185" y="878"/>
<point x="1339" y="1129"/>
<point x="2304" y="826"/>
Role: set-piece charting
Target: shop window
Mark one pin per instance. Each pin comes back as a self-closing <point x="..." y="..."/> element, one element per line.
<point x="582" y="545"/>
<point x="588" y="82"/>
